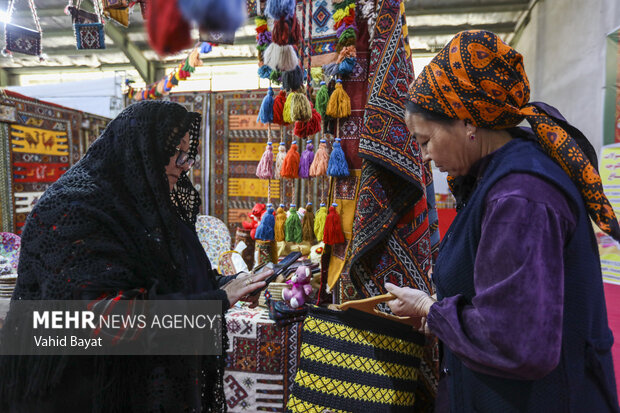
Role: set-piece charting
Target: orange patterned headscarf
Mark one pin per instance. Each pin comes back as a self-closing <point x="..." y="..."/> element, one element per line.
<point x="479" y="78"/>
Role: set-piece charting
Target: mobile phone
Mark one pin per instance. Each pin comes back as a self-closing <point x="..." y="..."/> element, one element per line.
<point x="279" y="268"/>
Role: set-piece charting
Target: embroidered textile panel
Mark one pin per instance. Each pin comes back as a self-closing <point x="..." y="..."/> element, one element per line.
<point x="43" y="141"/>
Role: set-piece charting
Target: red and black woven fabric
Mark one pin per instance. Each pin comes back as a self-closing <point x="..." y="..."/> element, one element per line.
<point x="478" y="77"/>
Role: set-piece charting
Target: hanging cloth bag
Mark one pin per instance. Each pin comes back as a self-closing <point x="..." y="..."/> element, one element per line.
<point x="359" y="359"/>
<point x="88" y="29"/>
<point x="21" y="39"/>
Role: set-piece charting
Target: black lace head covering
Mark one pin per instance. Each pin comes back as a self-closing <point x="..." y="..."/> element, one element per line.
<point x="110" y="223"/>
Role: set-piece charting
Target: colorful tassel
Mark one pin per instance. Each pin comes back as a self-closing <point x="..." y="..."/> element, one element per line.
<point x="280" y="159"/>
<point x="293" y="226"/>
<point x="280" y="8"/>
<point x="281" y="32"/>
<point x="339" y="105"/>
<point x="279" y="234"/>
<point x="330" y="69"/>
<point x="320" y="161"/>
<point x="319" y="222"/>
<point x="276" y="76"/>
<point x="300" y="107"/>
<point x="307" y="157"/>
<point x="265" y="114"/>
<point x="264" y="170"/>
<point x="283" y="58"/>
<point x="290" y="166"/>
<point x="278" y="108"/>
<point x="264" y="72"/>
<point x="333" y="233"/>
<point x="307" y="224"/>
<point x="286" y="111"/>
<point x="295" y="36"/>
<point x="322" y="97"/>
<point x="346" y="67"/>
<point x="337" y="165"/>
<point x="293" y="79"/>
<point x="266" y="228"/>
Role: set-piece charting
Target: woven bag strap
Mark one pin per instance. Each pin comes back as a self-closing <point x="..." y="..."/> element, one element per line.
<point x="368" y="305"/>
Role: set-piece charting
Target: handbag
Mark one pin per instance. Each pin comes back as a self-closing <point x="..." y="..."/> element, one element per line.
<point x="356" y="360"/>
<point x="87" y="28"/>
<point x="21" y="39"/>
<point x="115" y="4"/>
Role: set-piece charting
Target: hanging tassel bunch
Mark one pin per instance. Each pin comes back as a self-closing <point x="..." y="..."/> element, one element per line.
<point x="266" y="228"/>
<point x="320" y="161"/>
<point x="339" y="105"/>
<point x="280" y="220"/>
<point x="283" y="58"/>
<point x="333" y="233"/>
<point x="280" y="8"/>
<point x="293" y="79"/>
<point x="307" y="157"/>
<point x="263" y="40"/>
<point x="322" y="97"/>
<point x="286" y="111"/>
<point x="290" y="166"/>
<point x="286" y="31"/>
<point x="319" y="222"/>
<point x="264" y="170"/>
<point x="300" y="107"/>
<point x="307" y="224"/>
<point x="337" y="165"/>
<point x="278" y="108"/>
<point x="346" y="30"/>
<point x="305" y="129"/>
<point x="280" y="160"/>
<point x="265" y="114"/>
<point x="293" y="226"/>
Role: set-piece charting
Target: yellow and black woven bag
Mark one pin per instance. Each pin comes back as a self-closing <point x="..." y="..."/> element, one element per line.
<point x="353" y="361"/>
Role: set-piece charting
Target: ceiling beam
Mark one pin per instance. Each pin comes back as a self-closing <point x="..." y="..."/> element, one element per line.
<point x="414" y="8"/>
<point x="145" y="67"/>
<point x="504" y="27"/>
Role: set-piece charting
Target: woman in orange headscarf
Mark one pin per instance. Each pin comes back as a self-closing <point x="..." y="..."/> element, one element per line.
<point x="520" y="308"/>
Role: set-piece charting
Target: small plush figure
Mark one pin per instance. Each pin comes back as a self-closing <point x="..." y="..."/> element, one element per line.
<point x="301" y="288"/>
<point x="255" y="215"/>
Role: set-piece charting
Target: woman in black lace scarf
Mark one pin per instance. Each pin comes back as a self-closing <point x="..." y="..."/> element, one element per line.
<point x="119" y="220"/>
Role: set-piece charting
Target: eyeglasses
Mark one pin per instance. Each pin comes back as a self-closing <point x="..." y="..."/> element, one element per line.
<point x="184" y="159"/>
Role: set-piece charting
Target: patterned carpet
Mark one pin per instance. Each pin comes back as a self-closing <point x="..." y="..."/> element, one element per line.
<point x="39" y="141"/>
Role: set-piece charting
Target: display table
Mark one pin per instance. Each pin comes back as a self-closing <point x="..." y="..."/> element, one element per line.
<point x="261" y="361"/>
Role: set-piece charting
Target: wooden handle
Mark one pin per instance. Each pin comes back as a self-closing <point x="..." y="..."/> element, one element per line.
<point x="368" y="305"/>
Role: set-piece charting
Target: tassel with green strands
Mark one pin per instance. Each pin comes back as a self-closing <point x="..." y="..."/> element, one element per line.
<point x="293" y="226"/>
<point x="322" y="97"/>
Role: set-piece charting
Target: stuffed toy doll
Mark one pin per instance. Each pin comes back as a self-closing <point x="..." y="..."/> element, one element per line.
<point x="255" y="215"/>
<point x="297" y="295"/>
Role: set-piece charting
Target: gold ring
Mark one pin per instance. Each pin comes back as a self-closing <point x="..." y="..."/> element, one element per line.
<point x="248" y="282"/>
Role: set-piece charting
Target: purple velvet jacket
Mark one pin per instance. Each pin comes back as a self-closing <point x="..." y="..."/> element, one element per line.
<point x="525" y="323"/>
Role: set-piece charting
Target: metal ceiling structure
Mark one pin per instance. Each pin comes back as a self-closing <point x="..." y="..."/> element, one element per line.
<point x="431" y="24"/>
